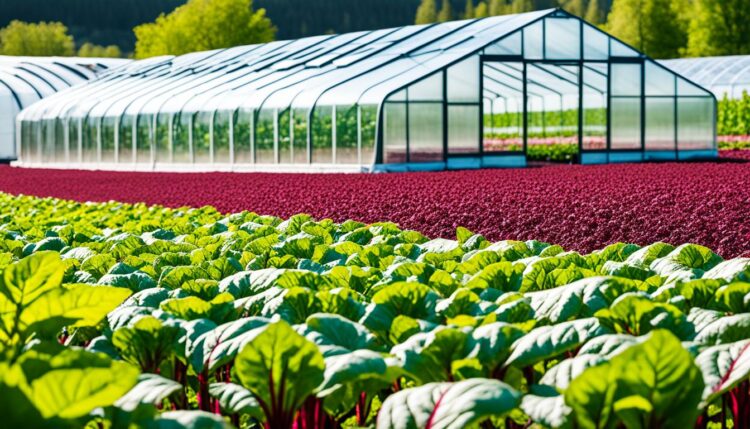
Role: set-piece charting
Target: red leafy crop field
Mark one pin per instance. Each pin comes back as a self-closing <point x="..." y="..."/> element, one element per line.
<point x="580" y="207"/>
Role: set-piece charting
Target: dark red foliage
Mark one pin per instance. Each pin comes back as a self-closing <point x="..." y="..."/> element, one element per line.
<point x="580" y="207"/>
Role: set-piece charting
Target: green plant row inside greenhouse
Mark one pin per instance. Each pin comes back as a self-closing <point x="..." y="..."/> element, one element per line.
<point x="463" y="94"/>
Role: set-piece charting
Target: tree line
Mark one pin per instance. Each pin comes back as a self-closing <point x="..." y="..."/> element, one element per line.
<point x="660" y="28"/>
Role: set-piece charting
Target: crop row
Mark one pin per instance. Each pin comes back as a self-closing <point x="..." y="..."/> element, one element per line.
<point x="118" y="315"/>
<point x="580" y="207"/>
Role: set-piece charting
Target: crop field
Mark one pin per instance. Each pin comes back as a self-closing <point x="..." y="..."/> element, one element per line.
<point x="580" y="207"/>
<point x="117" y="315"/>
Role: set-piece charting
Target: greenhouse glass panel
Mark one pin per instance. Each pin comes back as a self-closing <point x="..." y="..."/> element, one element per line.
<point x="299" y="144"/>
<point x="243" y="139"/>
<point x="463" y="81"/>
<point x="88" y="141"/>
<point x="425" y="132"/>
<point x="264" y="137"/>
<point x="660" y="123"/>
<point x="125" y="140"/>
<point x="626" y="123"/>
<point x="322" y="135"/>
<point x="618" y="49"/>
<point x="48" y="140"/>
<point x="431" y="89"/>
<point x="463" y="129"/>
<point x="284" y="133"/>
<point x="563" y="39"/>
<point x="108" y="139"/>
<point x="27" y="138"/>
<point x="60" y="138"/>
<point x="144" y="137"/>
<point x="180" y="138"/>
<point x="347" y="135"/>
<point x="533" y="46"/>
<point x="510" y="45"/>
<point x="163" y="151"/>
<point x="695" y="121"/>
<point x="394" y="136"/>
<point x="595" y="44"/>
<point x="594" y="109"/>
<point x="686" y="88"/>
<point x="201" y="136"/>
<point x="222" y="131"/>
<point x="368" y="133"/>
<point x="659" y="81"/>
<point x="626" y="79"/>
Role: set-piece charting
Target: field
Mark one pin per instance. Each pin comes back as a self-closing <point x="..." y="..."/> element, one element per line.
<point x="580" y="207"/>
<point x="142" y="316"/>
<point x="557" y="297"/>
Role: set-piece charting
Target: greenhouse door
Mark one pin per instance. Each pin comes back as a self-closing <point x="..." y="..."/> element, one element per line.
<point x="502" y="116"/>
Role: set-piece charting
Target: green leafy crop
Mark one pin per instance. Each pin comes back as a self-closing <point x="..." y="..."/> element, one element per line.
<point x="115" y="315"/>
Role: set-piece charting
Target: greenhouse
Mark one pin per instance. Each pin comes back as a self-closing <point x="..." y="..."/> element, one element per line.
<point x="26" y="80"/>
<point x="724" y="76"/>
<point x="463" y="94"/>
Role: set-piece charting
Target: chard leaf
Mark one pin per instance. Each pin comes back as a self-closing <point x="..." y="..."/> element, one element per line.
<point x="235" y="399"/>
<point x="150" y="389"/>
<point x="724" y="366"/>
<point x="447" y="405"/>
<point x="280" y="367"/>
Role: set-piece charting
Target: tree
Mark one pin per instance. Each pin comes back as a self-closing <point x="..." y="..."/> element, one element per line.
<point x="521" y="6"/>
<point x="98" y="51"/>
<point x="497" y="7"/>
<point x="201" y="25"/>
<point x="652" y="26"/>
<point x="595" y="14"/>
<point x="719" y="27"/>
<point x="576" y="7"/>
<point x="481" y="11"/>
<point x="426" y="12"/>
<point x="36" y="39"/>
<point x="469" y="10"/>
<point x="446" y="12"/>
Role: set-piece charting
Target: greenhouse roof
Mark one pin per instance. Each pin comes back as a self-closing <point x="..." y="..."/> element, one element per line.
<point x="722" y="75"/>
<point x="362" y="67"/>
<point x="28" y="79"/>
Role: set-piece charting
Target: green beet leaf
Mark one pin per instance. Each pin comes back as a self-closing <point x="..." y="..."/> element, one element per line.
<point x="651" y="384"/>
<point x="281" y="368"/>
<point x="447" y="405"/>
<point x="147" y="343"/>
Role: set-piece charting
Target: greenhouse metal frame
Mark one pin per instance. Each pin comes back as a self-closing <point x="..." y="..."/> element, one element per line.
<point x="463" y="94"/>
<point x="724" y="76"/>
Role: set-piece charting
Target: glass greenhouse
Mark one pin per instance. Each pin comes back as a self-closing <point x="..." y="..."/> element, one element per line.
<point x="463" y="94"/>
<point x="26" y="80"/>
<point x="729" y="75"/>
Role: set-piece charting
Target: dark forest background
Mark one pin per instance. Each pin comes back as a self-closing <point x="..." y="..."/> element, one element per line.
<point x="111" y="22"/>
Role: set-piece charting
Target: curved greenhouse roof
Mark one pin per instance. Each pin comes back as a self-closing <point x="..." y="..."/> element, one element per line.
<point x="728" y="75"/>
<point x="448" y="95"/>
<point x="26" y="80"/>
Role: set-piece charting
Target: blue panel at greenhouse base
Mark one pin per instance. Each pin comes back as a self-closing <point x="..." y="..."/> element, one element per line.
<point x="463" y="163"/>
<point x="404" y="167"/>
<point x="593" y="158"/>
<point x="617" y="157"/>
<point x="659" y="155"/>
<point x="504" y="161"/>
<point x="686" y="155"/>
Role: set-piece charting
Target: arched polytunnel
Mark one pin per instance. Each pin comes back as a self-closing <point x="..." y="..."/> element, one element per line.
<point x="26" y="80"/>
